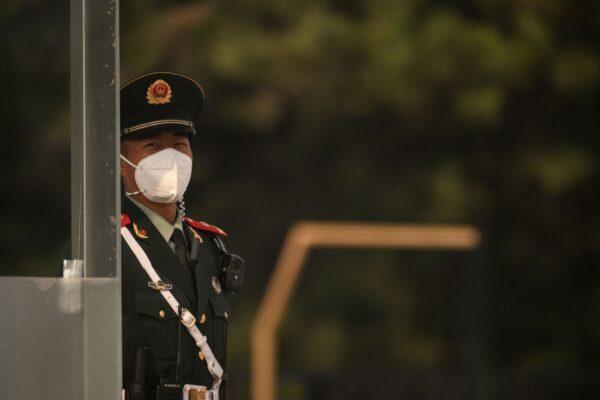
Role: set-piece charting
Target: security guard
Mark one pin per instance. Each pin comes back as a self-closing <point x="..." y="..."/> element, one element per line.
<point x="161" y="357"/>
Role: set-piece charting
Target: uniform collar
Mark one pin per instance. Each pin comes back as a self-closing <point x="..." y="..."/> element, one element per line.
<point x="162" y="225"/>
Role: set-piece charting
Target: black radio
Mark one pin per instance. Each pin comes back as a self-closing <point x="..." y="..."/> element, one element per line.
<point x="233" y="268"/>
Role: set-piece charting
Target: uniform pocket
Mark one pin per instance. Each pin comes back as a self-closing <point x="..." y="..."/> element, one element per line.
<point x="220" y="307"/>
<point x="155" y="325"/>
<point x="153" y="305"/>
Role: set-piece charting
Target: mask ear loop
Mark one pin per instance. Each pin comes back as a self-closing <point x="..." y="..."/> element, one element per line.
<point x="134" y="166"/>
<point x="127" y="161"/>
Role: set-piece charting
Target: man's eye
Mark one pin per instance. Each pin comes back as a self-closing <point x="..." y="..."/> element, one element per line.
<point x="151" y="144"/>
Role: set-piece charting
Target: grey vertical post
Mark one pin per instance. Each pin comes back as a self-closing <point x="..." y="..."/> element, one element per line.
<point x="95" y="189"/>
<point x="95" y="201"/>
<point x="77" y="126"/>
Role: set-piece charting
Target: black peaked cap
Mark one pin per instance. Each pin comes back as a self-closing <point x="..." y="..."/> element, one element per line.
<point x="158" y="100"/>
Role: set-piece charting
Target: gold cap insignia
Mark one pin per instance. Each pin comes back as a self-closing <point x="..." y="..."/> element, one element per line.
<point x="159" y="93"/>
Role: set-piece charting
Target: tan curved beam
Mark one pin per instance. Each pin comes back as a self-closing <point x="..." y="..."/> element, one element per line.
<point x="300" y="239"/>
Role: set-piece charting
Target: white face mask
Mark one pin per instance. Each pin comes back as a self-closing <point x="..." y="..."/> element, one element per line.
<point x="163" y="176"/>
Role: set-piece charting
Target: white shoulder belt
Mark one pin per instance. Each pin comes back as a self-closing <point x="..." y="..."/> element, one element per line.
<point x="186" y="317"/>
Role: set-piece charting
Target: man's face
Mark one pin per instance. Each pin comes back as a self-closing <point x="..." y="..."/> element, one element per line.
<point x="137" y="148"/>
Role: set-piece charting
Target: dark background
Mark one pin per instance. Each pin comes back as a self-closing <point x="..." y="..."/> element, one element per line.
<point x="479" y="112"/>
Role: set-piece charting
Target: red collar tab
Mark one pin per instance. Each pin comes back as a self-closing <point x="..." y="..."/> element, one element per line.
<point x="203" y="226"/>
<point x="125" y="220"/>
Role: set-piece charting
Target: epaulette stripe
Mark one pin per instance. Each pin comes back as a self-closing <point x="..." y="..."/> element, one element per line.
<point x="205" y="227"/>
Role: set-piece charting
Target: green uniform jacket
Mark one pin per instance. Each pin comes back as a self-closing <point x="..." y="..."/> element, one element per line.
<point x="148" y="320"/>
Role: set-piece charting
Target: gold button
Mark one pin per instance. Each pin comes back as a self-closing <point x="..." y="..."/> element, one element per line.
<point x="161" y="313"/>
<point x="203" y="318"/>
<point x="226" y="316"/>
<point x="201" y="355"/>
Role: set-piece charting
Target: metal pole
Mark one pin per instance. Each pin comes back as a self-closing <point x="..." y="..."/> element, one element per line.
<point x="95" y="187"/>
<point x="307" y="235"/>
<point x="78" y="126"/>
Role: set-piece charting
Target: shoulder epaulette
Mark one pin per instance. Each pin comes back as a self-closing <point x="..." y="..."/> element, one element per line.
<point x="125" y="220"/>
<point x="203" y="226"/>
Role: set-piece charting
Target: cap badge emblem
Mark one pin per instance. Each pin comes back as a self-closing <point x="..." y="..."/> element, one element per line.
<point x="159" y="93"/>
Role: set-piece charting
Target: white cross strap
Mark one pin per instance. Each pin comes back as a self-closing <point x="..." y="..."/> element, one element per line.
<point x="186" y="317"/>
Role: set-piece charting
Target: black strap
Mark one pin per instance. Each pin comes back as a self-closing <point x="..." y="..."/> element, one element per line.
<point x="220" y="246"/>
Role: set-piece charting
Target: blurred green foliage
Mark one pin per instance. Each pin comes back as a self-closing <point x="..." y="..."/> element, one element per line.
<point x="482" y="112"/>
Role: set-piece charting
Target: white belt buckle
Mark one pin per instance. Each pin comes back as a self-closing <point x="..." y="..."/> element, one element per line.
<point x="187" y="318"/>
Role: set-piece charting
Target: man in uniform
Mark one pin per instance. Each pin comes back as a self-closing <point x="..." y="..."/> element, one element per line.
<point x="159" y="117"/>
